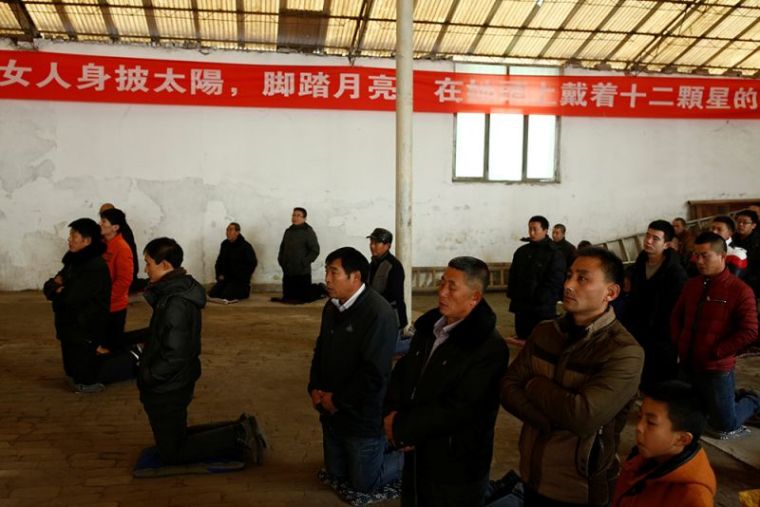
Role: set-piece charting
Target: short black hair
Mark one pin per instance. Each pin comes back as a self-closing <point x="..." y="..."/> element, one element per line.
<point x="725" y="219"/>
<point x="612" y="266"/>
<point x="87" y="227"/>
<point x="749" y="214"/>
<point x="685" y="410"/>
<point x="541" y="220"/>
<point x="665" y="227"/>
<point x="561" y="227"/>
<point x="718" y="243"/>
<point x="115" y="217"/>
<point x="680" y="219"/>
<point x="583" y="244"/>
<point x="302" y="210"/>
<point x="236" y="226"/>
<point x="352" y="261"/>
<point x="475" y="271"/>
<point x="165" y="249"/>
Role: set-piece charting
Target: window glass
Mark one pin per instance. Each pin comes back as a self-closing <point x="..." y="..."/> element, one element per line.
<point x="470" y="145"/>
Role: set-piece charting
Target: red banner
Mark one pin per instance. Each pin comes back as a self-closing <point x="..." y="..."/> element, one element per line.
<point x="30" y="75"/>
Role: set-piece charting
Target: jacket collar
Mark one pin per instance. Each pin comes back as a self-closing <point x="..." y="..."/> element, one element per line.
<point x="654" y="472"/>
<point x="475" y="328"/>
<point x="94" y="249"/>
<point x="719" y="278"/>
<point x="566" y="322"/>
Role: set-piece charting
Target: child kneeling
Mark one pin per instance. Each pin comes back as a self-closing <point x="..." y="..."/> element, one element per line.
<point x="668" y="467"/>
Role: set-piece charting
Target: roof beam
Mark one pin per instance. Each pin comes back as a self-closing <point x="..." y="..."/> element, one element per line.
<point x="65" y="20"/>
<point x="561" y="28"/>
<point x="673" y="25"/>
<point x="486" y="23"/>
<point x="196" y="22"/>
<point x="736" y="38"/>
<point x="24" y="20"/>
<point x="445" y="27"/>
<point x="606" y="20"/>
<point x="105" y="10"/>
<point x="357" y="41"/>
<point x="150" y="17"/>
<point x="747" y="57"/>
<point x="240" y="17"/>
<point x="521" y="30"/>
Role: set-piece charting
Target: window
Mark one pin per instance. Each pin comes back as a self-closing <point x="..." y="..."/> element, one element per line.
<point x="505" y="147"/>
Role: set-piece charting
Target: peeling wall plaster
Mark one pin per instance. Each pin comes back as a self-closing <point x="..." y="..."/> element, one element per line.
<point x="186" y="172"/>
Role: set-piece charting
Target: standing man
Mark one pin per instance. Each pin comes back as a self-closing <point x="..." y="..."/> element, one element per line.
<point x="564" y="246"/>
<point x="535" y="279"/>
<point x="656" y="283"/>
<point x="386" y="274"/>
<point x="349" y="375"/>
<point x="298" y="249"/>
<point x="444" y="394"/>
<point x="234" y="266"/>
<point x="571" y="385"/>
<point x="713" y="320"/>
<point x="118" y="257"/>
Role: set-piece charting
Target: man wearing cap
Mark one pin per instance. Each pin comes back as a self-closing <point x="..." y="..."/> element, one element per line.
<point x="118" y="257"/>
<point x="386" y="274"/>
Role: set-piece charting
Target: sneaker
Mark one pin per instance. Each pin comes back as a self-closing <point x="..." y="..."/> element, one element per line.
<point x="88" y="388"/>
<point x="740" y="432"/>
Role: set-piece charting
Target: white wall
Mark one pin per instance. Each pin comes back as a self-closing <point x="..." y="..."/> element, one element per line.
<point x="186" y="172"/>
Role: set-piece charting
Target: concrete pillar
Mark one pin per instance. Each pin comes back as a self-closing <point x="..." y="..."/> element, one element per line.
<point x="404" y="86"/>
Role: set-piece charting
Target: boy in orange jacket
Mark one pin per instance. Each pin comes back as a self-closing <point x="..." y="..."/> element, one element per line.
<point x="667" y="467"/>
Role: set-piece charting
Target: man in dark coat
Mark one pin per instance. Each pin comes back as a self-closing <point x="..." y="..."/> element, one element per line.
<point x="656" y="283"/>
<point x="563" y="245"/>
<point x="747" y="236"/>
<point x="349" y="375"/>
<point x="444" y="394"/>
<point x="234" y="266"/>
<point x="386" y="274"/>
<point x="298" y="249"/>
<point x="535" y="279"/>
<point x="170" y="365"/>
<point x="81" y="297"/>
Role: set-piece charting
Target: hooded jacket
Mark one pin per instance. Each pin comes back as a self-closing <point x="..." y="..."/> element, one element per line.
<point x="170" y="360"/>
<point x="447" y="401"/>
<point x="572" y="394"/>
<point x="81" y="308"/>
<point x="686" y="480"/>
<point x="298" y="249"/>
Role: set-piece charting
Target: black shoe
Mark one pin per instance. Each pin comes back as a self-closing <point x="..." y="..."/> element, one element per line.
<point x="253" y="440"/>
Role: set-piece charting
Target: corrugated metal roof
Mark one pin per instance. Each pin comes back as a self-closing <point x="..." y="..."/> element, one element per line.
<point x="718" y="35"/>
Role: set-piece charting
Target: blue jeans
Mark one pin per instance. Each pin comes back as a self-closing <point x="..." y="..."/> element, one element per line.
<point x="727" y="411"/>
<point x="361" y="461"/>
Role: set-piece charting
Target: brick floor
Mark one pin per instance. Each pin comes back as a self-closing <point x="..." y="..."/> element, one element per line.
<point x="60" y="448"/>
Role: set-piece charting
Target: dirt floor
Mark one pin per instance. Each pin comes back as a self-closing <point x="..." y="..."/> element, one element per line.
<point x="60" y="448"/>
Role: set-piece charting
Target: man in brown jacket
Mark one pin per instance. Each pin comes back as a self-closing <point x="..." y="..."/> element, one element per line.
<point x="571" y="386"/>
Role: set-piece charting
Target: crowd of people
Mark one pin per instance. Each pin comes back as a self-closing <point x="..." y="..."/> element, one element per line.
<point x="416" y="405"/>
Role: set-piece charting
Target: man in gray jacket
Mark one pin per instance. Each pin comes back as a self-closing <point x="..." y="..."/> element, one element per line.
<point x="298" y="249"/>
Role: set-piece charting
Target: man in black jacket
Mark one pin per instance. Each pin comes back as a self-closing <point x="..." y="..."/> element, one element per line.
<point x="81" y="297"/>
<point x="349" y="375"/>
<point x="298" y="249"/>
<point x="234" y="266"/>
<point x="386" y="274"/>
<point x="563" y="245"/>
<point x="656" y="283"/>
<point x="535" y="279"/>
<point x="170" y="366"/>
<point x="444" y="394"/>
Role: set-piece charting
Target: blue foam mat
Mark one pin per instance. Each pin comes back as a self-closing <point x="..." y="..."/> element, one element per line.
<point x="149" y="464"/>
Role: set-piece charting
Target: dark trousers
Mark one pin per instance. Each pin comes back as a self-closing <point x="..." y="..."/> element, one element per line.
<point x="230" y="289"/>
<point x="421" y="488"/>
<point x="84" y="366"/>
<point x="525" y="321"/>
<point x="300" y="288"/>
<point x="114" y="339"/>
<point x="178" y="444"/>
<point x="660" y="364"/>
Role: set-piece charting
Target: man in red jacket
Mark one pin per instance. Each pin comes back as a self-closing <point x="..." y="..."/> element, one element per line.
<point x="714" y="319"/>
<point x="118" y="256"/>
